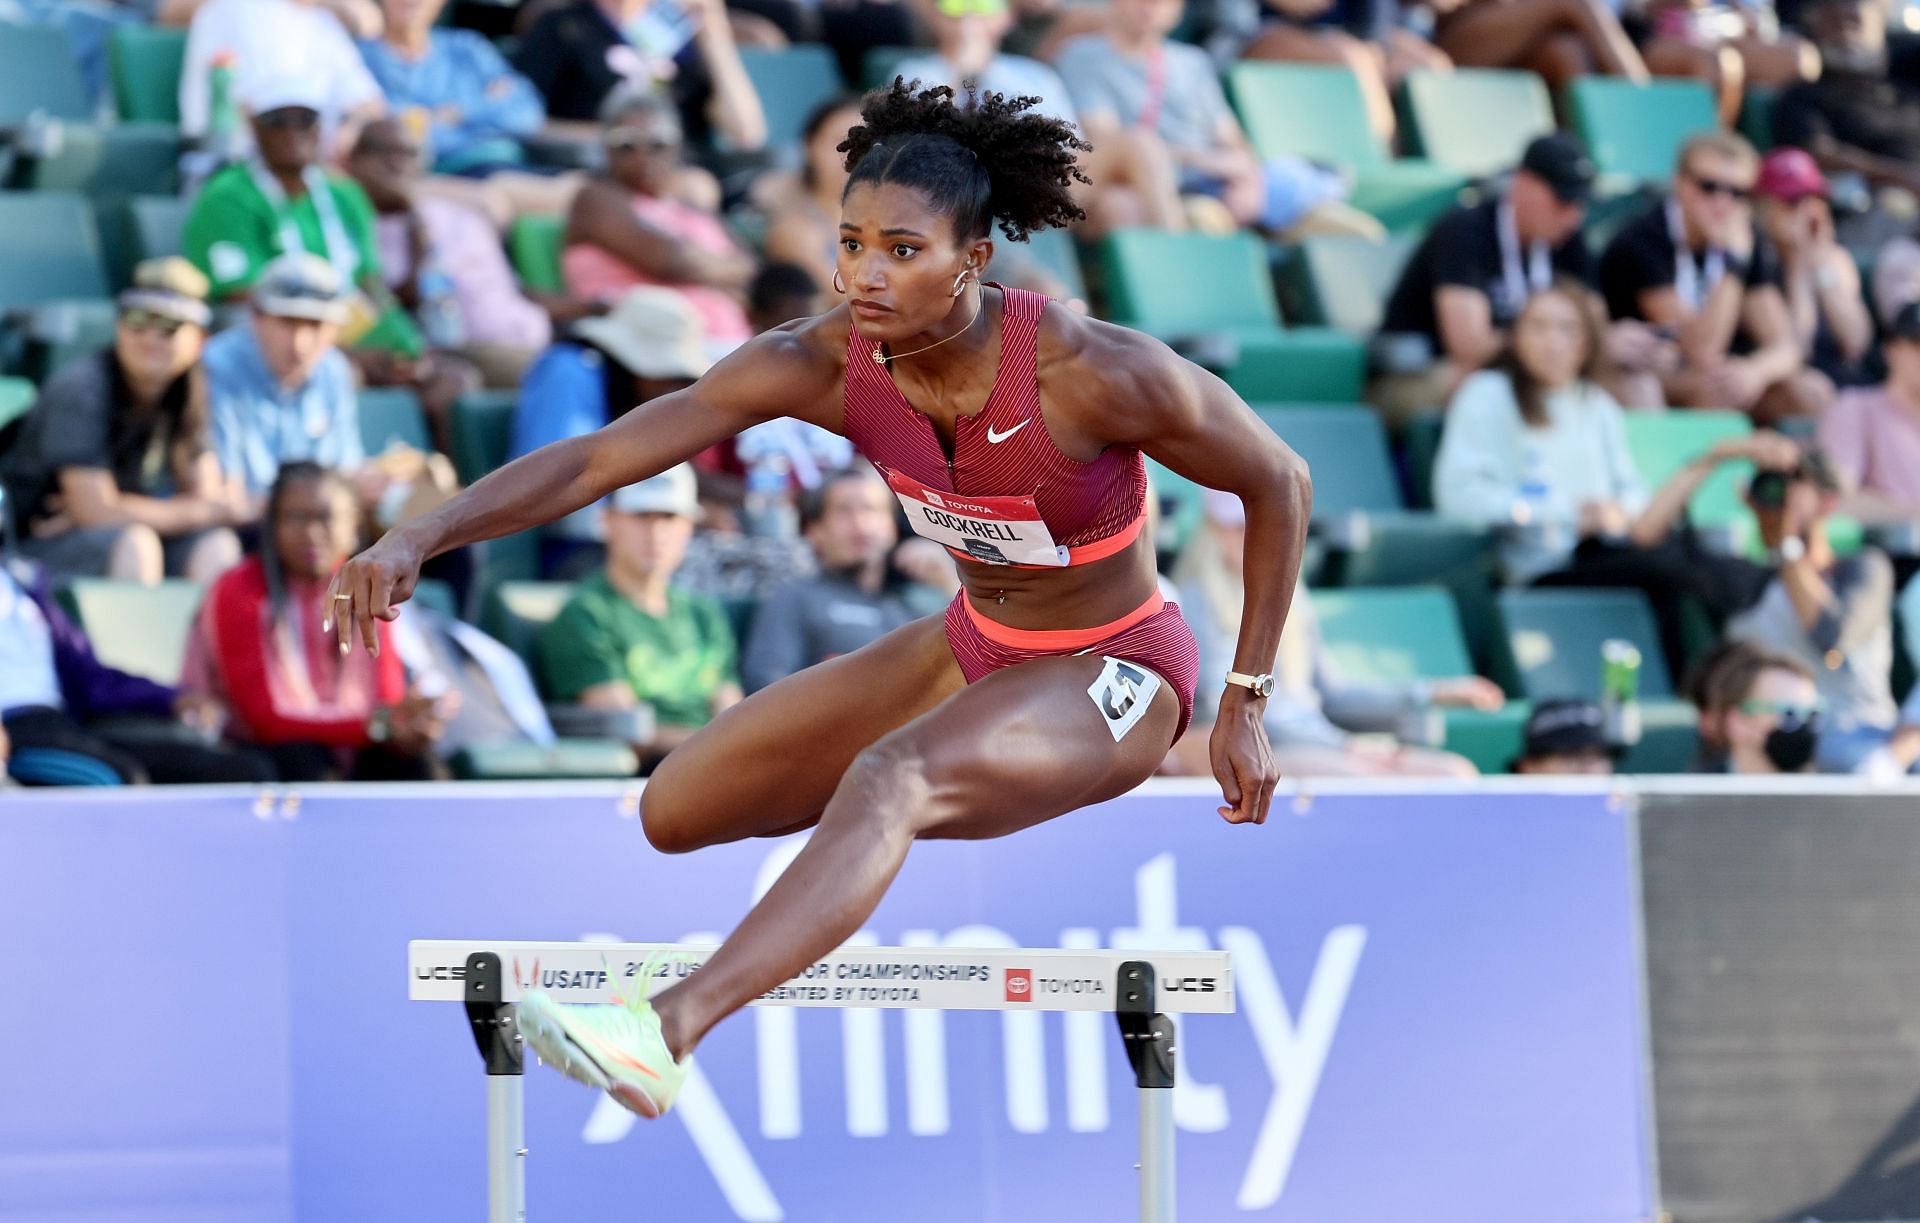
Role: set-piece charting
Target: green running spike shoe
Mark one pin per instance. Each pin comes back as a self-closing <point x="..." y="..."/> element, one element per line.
<point x="617" y="1048"/>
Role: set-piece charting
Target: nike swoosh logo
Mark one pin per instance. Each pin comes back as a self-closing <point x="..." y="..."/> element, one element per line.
<point x="997" y="438"/>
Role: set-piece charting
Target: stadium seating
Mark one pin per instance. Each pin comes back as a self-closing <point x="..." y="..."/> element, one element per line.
<point x="390" y="414"/>
<point x="39" y="75"/>
<point x="515" y="612"/>
<point x="481" y="424"/>
<point x="40" y="79"/>
<point x="146" y="62"/>
<point x="1664" y="442"/>
<point x="534" y="243"/>
<point x="1476" y="121"/>
<point x="1346" y="448"/>
<point x="1341" y="281"/>
<point x="1553" y="639"/>
<point x="16" y="396"/>
<point x="1387" y="635"/>
<point x="1316" y="112"/>
<point x="1634" y="132"/>
<point x="137" y="628"/>
<point x="791" y="82"/>
<point x="1215" y="294"/>
<point x="880" y="65"/>
<point x="49" y="251"/>
<point x="140" y="227"/>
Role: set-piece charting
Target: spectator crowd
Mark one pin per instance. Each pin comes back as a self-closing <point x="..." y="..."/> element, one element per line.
<point x="423" y="238"/>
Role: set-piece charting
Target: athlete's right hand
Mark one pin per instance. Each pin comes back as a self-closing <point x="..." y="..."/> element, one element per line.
<point x="371" y="587"/>
<point x="1242" y="756"/>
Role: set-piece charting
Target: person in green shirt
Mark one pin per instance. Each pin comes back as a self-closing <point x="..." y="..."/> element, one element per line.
<point x="629" y="636"/>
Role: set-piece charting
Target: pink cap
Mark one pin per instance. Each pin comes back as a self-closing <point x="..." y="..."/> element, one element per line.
<point x="1790" y="175"/>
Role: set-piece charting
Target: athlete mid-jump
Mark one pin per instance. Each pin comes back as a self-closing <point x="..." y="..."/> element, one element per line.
<point x="1012" y="431"/>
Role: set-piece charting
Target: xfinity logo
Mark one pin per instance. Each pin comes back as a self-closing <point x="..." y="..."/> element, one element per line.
<point x="1294" y="1035"/>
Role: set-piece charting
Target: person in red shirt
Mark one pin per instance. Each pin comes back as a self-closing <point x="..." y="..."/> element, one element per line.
<point x="257" y="649"/>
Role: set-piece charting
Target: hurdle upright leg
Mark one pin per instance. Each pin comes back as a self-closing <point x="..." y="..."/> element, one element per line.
<point x="498" y="1037"/>
<point x="1148" y="1037"/>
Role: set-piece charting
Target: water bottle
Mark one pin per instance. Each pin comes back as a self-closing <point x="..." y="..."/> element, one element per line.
<point x="769" y="510"/>
<point x="440" y="318"/>
<point x="226" y="142"/>
<point x="1540" y="535"/>
<point x="1620" y="691"/>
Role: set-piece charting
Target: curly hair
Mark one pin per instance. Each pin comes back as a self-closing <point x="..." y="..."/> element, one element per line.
<point x="992" y="160"/>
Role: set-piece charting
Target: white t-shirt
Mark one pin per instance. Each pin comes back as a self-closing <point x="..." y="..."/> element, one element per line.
<point x="1488" y="454"/>
<point x="272" y="39"/>
<point x="27" y="676"/>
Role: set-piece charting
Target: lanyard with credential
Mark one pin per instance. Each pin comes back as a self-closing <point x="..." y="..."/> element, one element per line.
<point x="1694" y="285"/>
<point x="340" y="252"/>
<point x="1521" y="283"/>
<point x="1156" y="92"/>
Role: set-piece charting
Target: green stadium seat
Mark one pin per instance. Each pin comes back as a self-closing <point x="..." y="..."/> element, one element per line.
<point x="1346" y="449"/>
<point x="1553" y="639"/>
<point x="791" y="82"/>
<point x="110" y="162"/>
<point x="16" y="397"/>
<point x="49" y="251"/>
<point x="390" y="414"/>
<point x="40" y="75"/>
<point x="534" y="243"/>
<point x="1664" y="442"/>
<point x="880" y="65"/>
<point x="1185" y="287"/>
<point x="1477" y="121"/>
<point x="1054" y="251"/>
<point x="513" y="613"/>
<point x="1756" y="116"/>
<point x="481" y="425"/>
<point x="139" y="629"/>
<point x="561" y="759"/>
<point x="1182" y="505"/>
<point x="1634" y="132"/>
<point x="1316" y="111"/>
<point x="1343" y="281"/>
<point x="146" y="62"/>
<point x="141" y="227"/>
<point x="1388" y="635"/>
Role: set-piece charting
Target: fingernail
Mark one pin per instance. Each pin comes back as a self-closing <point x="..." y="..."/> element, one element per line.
<point x="326" y="626"/>
<point x="343" y="647"/>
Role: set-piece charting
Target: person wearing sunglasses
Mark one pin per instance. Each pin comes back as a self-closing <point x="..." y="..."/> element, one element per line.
<point x="654" y="220"/>
<point x="1694" y="266"/>
<point x="114" y="473"/>
<point x="1760" y="712"/>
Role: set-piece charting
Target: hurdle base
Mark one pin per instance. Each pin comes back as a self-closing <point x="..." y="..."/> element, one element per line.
<point x="1147" y="1036"/>
<point x="496" y="1033"/>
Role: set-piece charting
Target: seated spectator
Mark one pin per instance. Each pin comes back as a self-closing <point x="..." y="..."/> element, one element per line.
<point x="1833" y="613"/>
<point x="1566" y="737"/>
<point x="281" y="390"/>
<point x="1478" y="265"/>
<point x="259" y="650"/>
<point x="1695" y="267"/>
<point x="452" y="89"/>
<point x="444" y="262"/>
<point x="1760" y="713"/>
<point x="487" y="690"/>
<point x="73" y="720"/>
<point x="269" y="43"/>
<point x="581" y="53"/>
<point x="1858" y="117"/>
<point x="1370" y="38"/>
<point x="1819" y="279"/>
<point x="848" y="521"/>
<point x="631" y="227"/>
<point x="1313" y="708"/>
<point x="284" y="202"/>
<point x="804" y="228"/>
<point x="1134" y="86"/>
<point x="629" y="636"/>
<point x="114" y="473"/>
<point x="1872" y="434"/>
<point x="1559" y="39"/>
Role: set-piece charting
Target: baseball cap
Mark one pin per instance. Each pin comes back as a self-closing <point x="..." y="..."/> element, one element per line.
<point x="671" y="492"/>
<point x="171" y="288"/>
<point x="653" y="331"/>
<point x="302" y="285"/>
<point x="270" y="92"/>
<point x="1790" y="175"/>
<point x="1560" y="161"/>
<point x="1565" y="727"/>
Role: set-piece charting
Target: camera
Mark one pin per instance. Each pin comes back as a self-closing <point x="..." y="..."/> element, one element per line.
<point x="1768" y="489"/>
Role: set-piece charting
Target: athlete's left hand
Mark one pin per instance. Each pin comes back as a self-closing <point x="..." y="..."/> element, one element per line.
<point x="1243" y="758"/>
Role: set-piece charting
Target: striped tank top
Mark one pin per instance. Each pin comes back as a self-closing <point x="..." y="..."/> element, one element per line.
<point x="1094" y="509"/>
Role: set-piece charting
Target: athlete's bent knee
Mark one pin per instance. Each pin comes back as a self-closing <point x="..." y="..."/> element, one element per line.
<point x="889" y="782"/>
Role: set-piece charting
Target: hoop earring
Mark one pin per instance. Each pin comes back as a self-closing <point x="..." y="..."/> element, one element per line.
<point x="838" y="287"/>
<point x="959" y="284"/>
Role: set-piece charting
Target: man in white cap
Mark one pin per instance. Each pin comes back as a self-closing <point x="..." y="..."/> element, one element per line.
<point x="281" y="388"/>
<point x="629" y="636"/>
<point x="268" y="40"/>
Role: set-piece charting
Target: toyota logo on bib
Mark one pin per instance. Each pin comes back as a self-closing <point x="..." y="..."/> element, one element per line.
<point x="1019" y="985"/>
<point x="934" y="498"/>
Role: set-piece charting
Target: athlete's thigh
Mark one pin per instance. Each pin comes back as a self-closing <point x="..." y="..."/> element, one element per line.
<point x="1031" y="741"/>
<point x="770" y="763"/>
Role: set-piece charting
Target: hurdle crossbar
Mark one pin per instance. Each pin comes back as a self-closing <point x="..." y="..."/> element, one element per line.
<point x="1140" y="988"/>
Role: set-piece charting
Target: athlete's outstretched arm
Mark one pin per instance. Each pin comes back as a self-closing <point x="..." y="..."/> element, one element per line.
<point x="770" y="376"/>
<point x="1189" y="420"/>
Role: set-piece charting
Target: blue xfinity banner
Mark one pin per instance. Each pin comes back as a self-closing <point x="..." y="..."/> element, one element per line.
<point x="1439" y="1016"/>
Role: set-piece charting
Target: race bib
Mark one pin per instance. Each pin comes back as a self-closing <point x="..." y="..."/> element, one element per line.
<point x="994" y="530"/>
